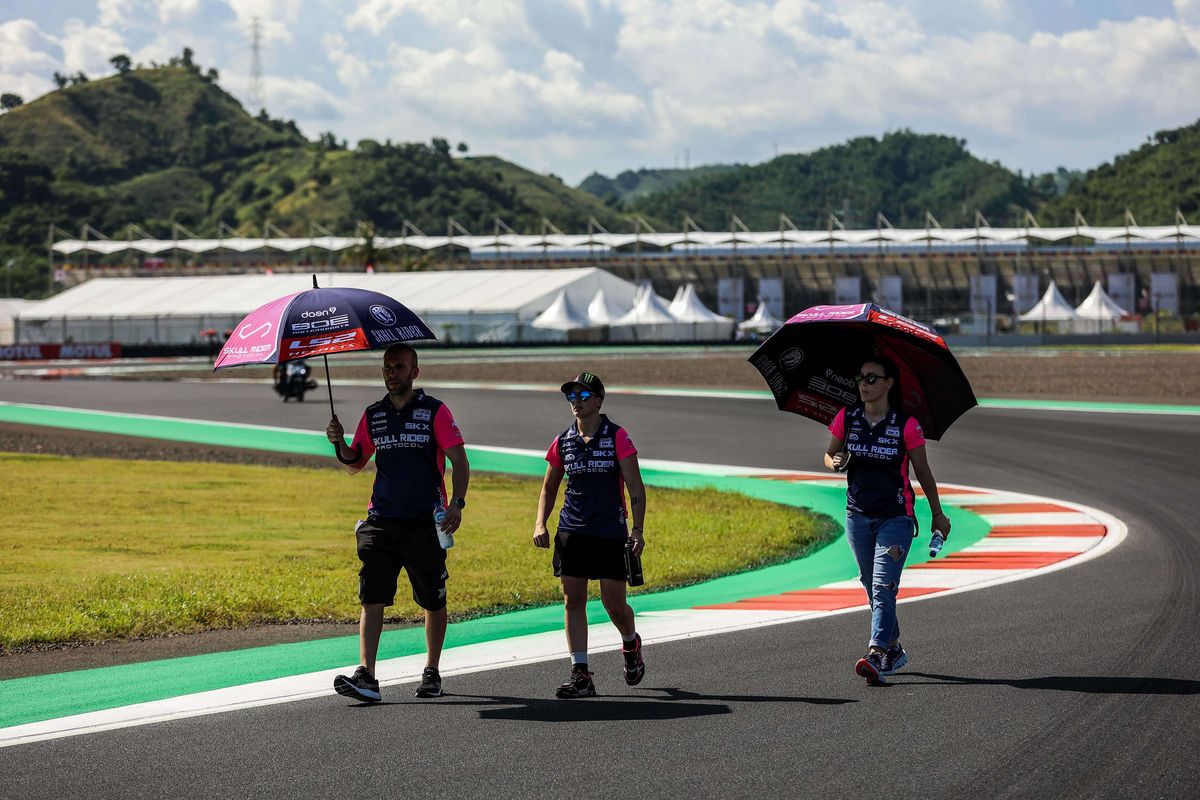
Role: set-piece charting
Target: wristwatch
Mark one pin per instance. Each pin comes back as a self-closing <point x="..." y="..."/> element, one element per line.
<point x="459" y="503"/>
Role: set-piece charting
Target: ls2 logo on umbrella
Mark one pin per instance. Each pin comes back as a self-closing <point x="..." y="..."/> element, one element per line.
<point x="383" y="315"/>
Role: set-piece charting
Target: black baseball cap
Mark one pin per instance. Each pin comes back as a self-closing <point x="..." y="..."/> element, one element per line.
<point x="587" y="380"/>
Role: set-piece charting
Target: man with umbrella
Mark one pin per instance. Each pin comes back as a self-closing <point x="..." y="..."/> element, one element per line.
<point x="411" y="435"/>
<point x="883" y="384"/>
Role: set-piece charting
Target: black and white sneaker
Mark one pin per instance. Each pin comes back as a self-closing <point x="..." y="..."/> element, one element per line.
<point x="870" y="667"/>
<point x="635" y="667"/>
<point x="431" y="683"/>
<point x="360" y="686"/>
<point x="893" y="660"/>
<point x="578" y="685"/>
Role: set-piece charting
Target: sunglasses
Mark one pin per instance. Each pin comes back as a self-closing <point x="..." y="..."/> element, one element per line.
<point x="869" y="378"/>
<point x="581" y="395"/>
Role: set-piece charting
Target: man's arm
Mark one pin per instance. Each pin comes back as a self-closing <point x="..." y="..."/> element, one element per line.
<point x="459" y="481"/>
<point x="631" y="473"/>
<point x="550" y="484"/>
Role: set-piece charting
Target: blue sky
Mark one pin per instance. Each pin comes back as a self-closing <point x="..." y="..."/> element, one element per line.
<point x="572" y="86"/>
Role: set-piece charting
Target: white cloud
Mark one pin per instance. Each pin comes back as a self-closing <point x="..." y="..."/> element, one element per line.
<point x="25" y="66"/>
<point x="572" y="85"/>
<point x="276" y="18"/>
<point x="87" y="48"/>
<point x="352" y="71"/>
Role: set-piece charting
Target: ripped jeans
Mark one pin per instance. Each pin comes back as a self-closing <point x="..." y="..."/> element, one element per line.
<point x="880" y="546"/>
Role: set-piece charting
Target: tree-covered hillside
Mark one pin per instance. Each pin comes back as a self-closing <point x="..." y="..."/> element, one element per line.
<point x="903" y="175"/>
<point x="630" y="185"/>
<point x="166" y="145"/>
<point x="1153" y="181"/>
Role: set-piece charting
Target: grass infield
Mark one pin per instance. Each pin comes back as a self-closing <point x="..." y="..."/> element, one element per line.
<point x="123" y="549"/>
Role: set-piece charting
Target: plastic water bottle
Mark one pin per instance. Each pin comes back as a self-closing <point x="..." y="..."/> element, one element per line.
<point x="445" y="537"/>
<point x="633" y="565"/>
<point x="935" y="543"/>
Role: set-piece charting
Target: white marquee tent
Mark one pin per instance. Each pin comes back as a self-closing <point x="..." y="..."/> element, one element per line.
<point x="604" y="311"/>
<point x="562" y="315"/>
<point x="9" y="308"/>
<point x="687" y="307"/>
<point x="1098" y="312"/>
<point x="1099" y="305"/>
<point x="650" y="320"/>
<point x="459" y="305"/>
<point x="762" y="322"/>
<point x="1051" y="308"/>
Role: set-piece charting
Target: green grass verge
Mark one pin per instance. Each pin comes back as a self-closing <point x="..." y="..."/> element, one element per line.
<point x="141" y="548"/>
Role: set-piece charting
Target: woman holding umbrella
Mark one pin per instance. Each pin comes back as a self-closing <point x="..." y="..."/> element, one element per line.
<point x="874" y="442"/>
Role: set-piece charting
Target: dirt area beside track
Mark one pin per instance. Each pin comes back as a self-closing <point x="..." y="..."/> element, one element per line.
<point x="1119" y="375"/>
<point x="1150" y="377"/>
<point x="1125" y="375"/>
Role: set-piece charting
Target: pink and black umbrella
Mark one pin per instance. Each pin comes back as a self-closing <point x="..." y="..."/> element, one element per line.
<point x="318" y="322"/>
<point x="811" y="361"/>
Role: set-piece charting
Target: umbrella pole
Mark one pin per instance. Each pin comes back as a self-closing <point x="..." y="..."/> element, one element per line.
<point x="329" y="386"/>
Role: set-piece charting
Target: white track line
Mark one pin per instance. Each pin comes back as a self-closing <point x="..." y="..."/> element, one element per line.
<point x="655" y="627"/>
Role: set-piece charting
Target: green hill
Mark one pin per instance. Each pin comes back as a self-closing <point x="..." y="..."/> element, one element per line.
<point x="142" y="121"/>
<point x="630" y="185"/>
<point x="1152" y="182"/>
<point x="167" y="145"/>
<point x="902" y="174"/>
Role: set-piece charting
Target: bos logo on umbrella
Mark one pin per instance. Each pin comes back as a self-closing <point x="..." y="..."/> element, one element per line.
<point x="383" y="315"/>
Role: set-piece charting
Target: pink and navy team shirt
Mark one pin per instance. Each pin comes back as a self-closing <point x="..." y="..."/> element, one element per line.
<point x="877" y="481"/>
<point x="409" y="445"/>
<point x="594" y="501"/>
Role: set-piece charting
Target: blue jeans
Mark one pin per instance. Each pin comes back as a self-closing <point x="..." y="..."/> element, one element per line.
<point x="880" y="546"/>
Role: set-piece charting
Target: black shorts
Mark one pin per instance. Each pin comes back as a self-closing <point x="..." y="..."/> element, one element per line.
<point x="578" y="555"/>
<point x="385" y="545"/>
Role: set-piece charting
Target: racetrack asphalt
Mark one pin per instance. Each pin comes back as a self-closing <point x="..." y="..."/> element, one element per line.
<point x="1080" y="682"/>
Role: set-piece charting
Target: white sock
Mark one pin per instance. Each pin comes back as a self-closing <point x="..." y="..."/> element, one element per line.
<point x="578" y="657"/>
<point x="629" y="639"/>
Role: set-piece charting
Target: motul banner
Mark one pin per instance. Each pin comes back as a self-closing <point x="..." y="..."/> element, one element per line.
<point x="50" y="352"/>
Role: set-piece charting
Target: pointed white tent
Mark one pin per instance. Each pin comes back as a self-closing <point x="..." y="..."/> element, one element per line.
<point x="706" y="325"/>
<point x="1098" y="313"/>
<point x="1051" y="308"/>
<point x="562" y="315"/>
<point x="762" y="321"/>
<point x="650" y="309"/>
<point x="1099" y="305"/>
<point x="603" y="310"/>
<point x="687" y="307"/>
<point x="650" y="320"/>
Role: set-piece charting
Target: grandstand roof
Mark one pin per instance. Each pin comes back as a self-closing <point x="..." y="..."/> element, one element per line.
<point x="604" y="240"/>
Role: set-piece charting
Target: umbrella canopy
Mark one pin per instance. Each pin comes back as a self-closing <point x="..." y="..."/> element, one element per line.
<point x="810" y="364"/>
<point x="318" y="322"/>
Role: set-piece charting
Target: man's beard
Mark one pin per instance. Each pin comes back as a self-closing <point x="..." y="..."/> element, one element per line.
<point x="401" y="387"/>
